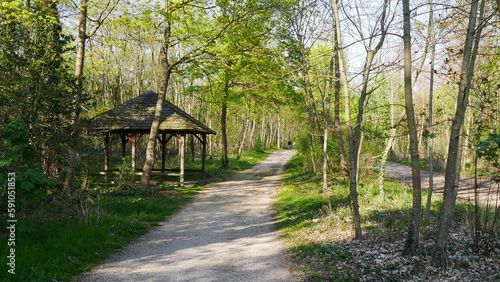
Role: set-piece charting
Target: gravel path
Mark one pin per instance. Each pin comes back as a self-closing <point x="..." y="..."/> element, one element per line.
<point x="226" y="234"/>
<point x="489" y="192"/>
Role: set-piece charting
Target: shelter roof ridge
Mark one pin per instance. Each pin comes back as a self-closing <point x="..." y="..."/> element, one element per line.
<point x="137" y="114"/>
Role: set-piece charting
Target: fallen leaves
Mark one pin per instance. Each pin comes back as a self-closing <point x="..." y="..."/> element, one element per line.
<point x="332" y="254"/>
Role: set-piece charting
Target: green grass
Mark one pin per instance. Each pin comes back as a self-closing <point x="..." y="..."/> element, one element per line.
<point x="68" y="236"/>
<point x="62" y="247"/>
<point x="310" y="218"/>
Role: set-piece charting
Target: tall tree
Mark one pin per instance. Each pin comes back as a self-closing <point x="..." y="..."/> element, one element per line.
<point x="167" y="71"/>
<point x="243" y="68"/>
<point x="430" y="140"/>
<point x="300" y="34"/>
<point x="337" y="88"/>
<point x="81" y="41"/>
<point x="184" y="39"/>
<point x="75" y="116"/>
<point x="353" y="168"/>
<point x="452" y="172"/>
<point x="412" y="240"/>
<point x="372" y="40"/>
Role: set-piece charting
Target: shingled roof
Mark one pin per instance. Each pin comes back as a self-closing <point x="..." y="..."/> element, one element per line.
<point x="136" y="116"/>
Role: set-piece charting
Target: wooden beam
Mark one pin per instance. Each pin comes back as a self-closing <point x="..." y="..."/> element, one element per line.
<point x="204" y="155"/>
<point x="198" y="137"/>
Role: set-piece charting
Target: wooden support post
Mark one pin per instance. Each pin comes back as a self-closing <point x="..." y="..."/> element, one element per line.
<point x="181" y="139"/>
<point x="123" y="136"/>
<point x="204" y="155"/>
<point x="163" y="153"/>
<point x="191" y="145"/>
<point x="133" y="140"/>
<point x="106" y="152"/>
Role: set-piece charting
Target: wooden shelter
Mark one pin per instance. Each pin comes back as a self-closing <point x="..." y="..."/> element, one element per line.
<point x="133" y="119"/>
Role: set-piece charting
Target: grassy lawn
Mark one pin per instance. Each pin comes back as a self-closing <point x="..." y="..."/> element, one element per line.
<point x="318" y="227"/>
<point x="64" y="237"/>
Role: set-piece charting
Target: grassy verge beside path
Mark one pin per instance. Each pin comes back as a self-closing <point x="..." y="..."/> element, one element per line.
<point x="319" y="230"/>
<point x="64" y="237"/>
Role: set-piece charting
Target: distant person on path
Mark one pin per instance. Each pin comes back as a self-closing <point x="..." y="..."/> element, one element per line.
<point x="289" y="145"/>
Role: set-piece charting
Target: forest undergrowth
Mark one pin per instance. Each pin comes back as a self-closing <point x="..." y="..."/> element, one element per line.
<point x="319" y="229"/>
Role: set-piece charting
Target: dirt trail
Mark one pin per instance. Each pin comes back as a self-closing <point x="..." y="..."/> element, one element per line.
<point x="488" y="189"/>
<point x="226" y="234"/>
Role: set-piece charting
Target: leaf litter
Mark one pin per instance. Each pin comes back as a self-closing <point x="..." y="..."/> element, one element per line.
<point x="336" y="256"/>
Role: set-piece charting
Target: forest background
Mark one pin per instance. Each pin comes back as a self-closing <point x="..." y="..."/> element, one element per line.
<point x="351" y="83"/>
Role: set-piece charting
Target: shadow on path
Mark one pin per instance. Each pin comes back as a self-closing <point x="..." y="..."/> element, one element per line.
<point x="226" y="234"/>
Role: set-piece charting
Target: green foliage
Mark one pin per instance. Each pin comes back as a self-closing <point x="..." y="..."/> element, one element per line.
<point x="125" y="170"/>
<point x="35" y="82"/>
<point x="16" y="149"/>
<point x="301" y="199"/>
<point x="64" y="245"/>
<point x="308" y="150"/>
<point x="489" y="149"/>
<point x="17" y="155"/>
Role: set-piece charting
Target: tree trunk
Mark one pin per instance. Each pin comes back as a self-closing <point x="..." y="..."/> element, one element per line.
<point x="431" y="113"/>
<point x="353" y="152"/>
<point x="325" y="158"/>
<point x="210" y="139"/>
<point x="390" y="142"/>
<point x="167" y="71"/>
<point x="326" y="111"/>
<point x="73" y="157"/>
<point x="278" y="134"/>
<point x="452" y="173"/>
<point x="335" y="69"/>
<point x="153" y="134"/>
<point x="223" y="129"/>
<point x="244" y="135"/>
<point x="182" y="141"/>
<point x="412" y="240"/>
<point x="263" y="134"/>
<point x="269" y="138"/>
<point x="252" y="135"/>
